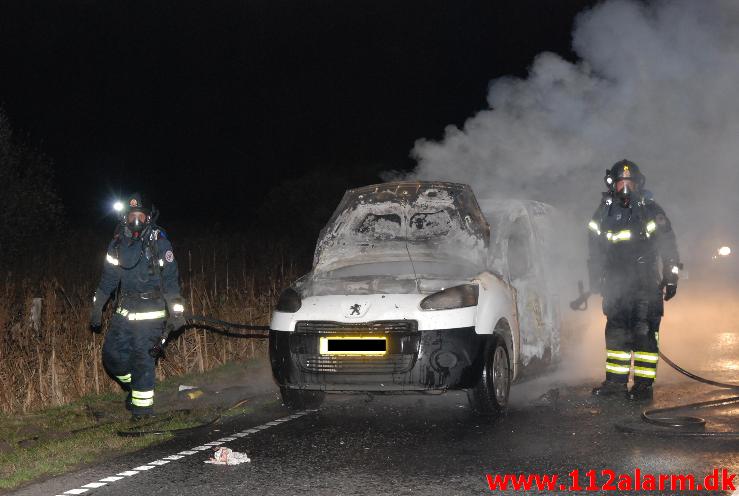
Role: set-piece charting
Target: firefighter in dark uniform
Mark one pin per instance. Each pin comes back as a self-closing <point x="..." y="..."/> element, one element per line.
<point x="629" y="235"/>
<point x="141" y="265"/>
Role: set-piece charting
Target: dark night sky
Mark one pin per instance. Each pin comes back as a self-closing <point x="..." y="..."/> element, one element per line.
<point x="222" y="101"/>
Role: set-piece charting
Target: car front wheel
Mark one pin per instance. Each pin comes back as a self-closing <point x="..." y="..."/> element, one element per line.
<point x="489" y="397"/>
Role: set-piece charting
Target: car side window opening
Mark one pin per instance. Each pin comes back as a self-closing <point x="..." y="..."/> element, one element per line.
<point x="519" y="252"/>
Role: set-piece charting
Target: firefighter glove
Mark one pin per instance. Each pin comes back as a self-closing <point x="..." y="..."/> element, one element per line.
<point x="176" y="319"/>
<point x="670" y="275"/>
<point x="157" y="351"/>
<point x="96" y="314"/>
<point x="670" y="291"/>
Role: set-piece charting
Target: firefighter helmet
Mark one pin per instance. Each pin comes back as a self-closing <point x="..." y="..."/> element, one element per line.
<point x="135" y="221"/>
<point x="137" y="203"/>
<point x="624" y="178"/>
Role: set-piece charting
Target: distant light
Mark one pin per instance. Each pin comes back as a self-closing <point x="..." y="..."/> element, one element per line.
<point x="118" y="206"/>
<point x="724" y="251"/>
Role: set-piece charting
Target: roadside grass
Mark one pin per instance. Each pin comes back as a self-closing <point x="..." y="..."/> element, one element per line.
<point x="57" y="440"/>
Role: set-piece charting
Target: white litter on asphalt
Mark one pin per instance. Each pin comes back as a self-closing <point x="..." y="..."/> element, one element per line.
<point x="227" y="456"/>
<point x="231" y="458"/>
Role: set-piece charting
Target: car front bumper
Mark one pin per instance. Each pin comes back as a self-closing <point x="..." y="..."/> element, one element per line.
<point x="415" y="360"/>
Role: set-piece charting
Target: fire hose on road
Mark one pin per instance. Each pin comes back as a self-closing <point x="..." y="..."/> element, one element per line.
<point x="678" y="425"/>
<point x="685" y="425"/>
<point x="212" y="325"/>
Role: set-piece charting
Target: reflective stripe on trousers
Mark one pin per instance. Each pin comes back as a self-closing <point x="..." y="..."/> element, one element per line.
<point x="617" y="369"/>
<point x="645" y="372"/>
<point x="618" y="362"/>
<point x="645" y="364"/>
<point x="142" y="398"/>
<point x="126" y="379"/>
<point x="619" y="355"/>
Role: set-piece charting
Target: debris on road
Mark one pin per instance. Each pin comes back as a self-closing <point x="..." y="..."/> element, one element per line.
<point x="189" y="392"/>
<point x="226" y="456"/>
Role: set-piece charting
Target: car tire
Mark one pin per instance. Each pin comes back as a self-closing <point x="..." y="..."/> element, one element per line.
<point x="301" y="399"/>
<point x="489" y="397"/>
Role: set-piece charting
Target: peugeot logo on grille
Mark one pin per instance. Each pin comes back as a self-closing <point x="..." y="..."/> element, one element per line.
<point x="355" y="309"/>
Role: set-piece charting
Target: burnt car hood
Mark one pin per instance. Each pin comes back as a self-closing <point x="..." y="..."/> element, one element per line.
<point x="404" y="221"/>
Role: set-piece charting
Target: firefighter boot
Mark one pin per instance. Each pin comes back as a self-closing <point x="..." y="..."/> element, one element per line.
<point x="640" y="391"/>
<point x="138" y="417"/>
<point x="610" y="388"/>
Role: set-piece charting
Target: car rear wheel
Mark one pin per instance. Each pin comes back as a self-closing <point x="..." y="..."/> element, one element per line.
<point x="301" y="399"/>
<point x="489" y="397"/>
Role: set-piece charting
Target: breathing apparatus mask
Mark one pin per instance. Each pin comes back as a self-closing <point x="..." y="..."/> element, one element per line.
<point x="136" y="216"/>
<point x="624" y="180"/>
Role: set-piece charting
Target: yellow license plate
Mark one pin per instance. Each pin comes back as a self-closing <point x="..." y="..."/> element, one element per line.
<point x="353" y="345"/>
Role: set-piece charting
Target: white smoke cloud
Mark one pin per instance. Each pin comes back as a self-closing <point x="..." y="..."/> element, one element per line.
<point x="657" y="83"/>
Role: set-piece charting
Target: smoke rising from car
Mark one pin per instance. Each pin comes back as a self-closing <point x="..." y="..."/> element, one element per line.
<point x="655" y="82"/>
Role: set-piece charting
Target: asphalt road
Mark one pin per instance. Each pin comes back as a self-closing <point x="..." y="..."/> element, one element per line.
<point x="412" y="445"/>
<point x="388" y="445"/>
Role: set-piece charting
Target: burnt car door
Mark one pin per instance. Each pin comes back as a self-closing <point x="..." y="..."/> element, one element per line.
<point x="523" y="274"/>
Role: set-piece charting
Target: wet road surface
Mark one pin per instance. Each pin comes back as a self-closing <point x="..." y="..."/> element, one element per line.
<point x="415" y="445"/>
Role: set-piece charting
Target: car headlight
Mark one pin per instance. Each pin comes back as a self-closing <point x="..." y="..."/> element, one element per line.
<point x="455" y="297"/>
<point x="289" y="301"/>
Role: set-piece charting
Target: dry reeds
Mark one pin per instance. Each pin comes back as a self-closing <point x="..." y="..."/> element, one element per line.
<point x="51" y="357"/>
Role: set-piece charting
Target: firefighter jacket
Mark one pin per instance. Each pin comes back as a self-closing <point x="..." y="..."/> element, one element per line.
<point x="626" y="244"/>
<point x="146" y="271"/>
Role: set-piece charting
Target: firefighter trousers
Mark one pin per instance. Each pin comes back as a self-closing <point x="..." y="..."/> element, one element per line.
<point x="126" y="357"/>
<point x="632" y="331"/>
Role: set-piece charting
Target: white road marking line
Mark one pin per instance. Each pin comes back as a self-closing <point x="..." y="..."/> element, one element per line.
<point x="182" y="454"/>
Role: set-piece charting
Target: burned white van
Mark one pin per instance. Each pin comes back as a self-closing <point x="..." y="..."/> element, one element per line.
<point x="416" y="288"/>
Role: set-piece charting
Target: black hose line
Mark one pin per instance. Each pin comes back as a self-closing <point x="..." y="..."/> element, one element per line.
<point x="212" y="325"/>
<point x="184" y="430"/>
<point x="697" y="377"/>
<point x="684" y="425"/>
<point x="224" y="323"/>
<point x="228" y="334"/>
